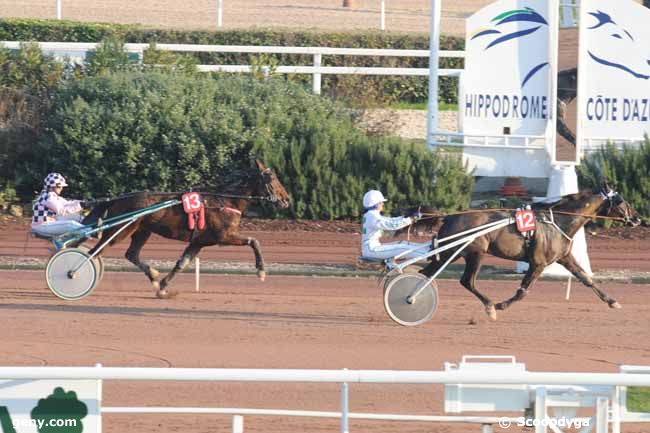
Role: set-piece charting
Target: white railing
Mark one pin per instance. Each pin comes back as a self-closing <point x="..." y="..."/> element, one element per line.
<point x="316" y="70"/>
<point x="632" y="376"/>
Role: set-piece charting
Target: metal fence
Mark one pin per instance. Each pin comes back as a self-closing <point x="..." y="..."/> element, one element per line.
<point x="566" y="386"/>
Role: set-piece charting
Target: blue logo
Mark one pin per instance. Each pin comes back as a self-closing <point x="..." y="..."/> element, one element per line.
<point x="605" y="22"/>
<point x="500" y="36"/>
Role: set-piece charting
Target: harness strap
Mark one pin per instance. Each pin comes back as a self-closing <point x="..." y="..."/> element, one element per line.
<point x="552" y="223"/>
<point x="231" y="210"/>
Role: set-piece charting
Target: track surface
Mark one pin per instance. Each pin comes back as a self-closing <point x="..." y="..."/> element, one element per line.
<point x="401" y="15"/>
<point x="610" y="251"/>
<point x="302" y="322"/>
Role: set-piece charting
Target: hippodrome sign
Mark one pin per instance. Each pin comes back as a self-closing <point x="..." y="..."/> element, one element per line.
<point x="507" y="86"/>
<point x="614" y="72"/>
<point x="41" y="406"/>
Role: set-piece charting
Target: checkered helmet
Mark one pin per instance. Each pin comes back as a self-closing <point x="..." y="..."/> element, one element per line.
<point x="53" y="180"/>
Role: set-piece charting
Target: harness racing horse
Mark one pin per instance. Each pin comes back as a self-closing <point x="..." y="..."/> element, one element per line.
<point x="557" y="224"/>
<point x="223" y="213"/>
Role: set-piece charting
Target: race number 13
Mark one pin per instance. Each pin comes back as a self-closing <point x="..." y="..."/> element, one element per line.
<point x="525" y="220"/>
<point x="191" y="202"/>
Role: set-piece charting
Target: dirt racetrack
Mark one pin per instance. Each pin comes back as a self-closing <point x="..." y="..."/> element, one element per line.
<point x="304" y="322"/>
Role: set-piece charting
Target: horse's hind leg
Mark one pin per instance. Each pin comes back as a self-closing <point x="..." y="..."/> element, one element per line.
<point x="572" y="266"/>
<point x="138" y="240"/>
<point x="468" y="280"/>
<point x="188" y="255"/>
<point x="534" y="271"/>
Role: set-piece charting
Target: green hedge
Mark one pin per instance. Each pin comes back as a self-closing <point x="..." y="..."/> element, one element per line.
<point x="356" y="89"/>
<point x="627" y="168"/>
<point x="133" y="131"/>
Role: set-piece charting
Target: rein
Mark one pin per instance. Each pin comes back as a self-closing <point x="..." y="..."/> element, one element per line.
<point x="536" y="211"/>
<point x="243" y="197"/>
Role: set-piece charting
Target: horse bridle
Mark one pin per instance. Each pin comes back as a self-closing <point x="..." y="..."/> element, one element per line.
<point x="270" y="197"/>
<point x="614" y="199"/>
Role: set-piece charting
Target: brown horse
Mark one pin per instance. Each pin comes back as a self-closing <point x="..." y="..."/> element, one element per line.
<point x="223" y="213"/>
<point x="557" y="224"/>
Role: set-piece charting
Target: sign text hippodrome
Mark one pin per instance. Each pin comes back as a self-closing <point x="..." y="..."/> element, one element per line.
<point x="506" y="106"/>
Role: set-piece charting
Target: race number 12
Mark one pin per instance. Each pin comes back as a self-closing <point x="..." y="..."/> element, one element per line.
<point x="525" y="220"/>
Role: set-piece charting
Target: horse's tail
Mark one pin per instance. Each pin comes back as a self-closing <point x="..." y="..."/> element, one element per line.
<point x="430" y="222"/>
<point x="97" y="212"/>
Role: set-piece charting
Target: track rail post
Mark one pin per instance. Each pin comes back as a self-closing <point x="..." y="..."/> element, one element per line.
<point x="345" y="407"/>
<point x="237" y="424"/>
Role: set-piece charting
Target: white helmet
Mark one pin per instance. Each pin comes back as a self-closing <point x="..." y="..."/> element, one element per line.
<point x="372" y="198"/>
<point x="54" y="180"/>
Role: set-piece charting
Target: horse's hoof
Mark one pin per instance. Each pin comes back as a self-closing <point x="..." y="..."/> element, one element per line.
<point x="615" y="305"/>
<point x="261" y="275"/>
<point x="166" y="294"/>
<point x="491" y="312"/>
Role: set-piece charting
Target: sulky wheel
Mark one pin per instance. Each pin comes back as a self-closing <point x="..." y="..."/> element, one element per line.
<point x="391" y="275"/>
<point x="400" y="304"/>
<point x="70" y="275"/>
<point x="99" y="263"/>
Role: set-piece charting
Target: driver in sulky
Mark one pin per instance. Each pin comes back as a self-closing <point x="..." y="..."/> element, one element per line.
<point x="373" y="226"/>
<point x="53" y="215"/>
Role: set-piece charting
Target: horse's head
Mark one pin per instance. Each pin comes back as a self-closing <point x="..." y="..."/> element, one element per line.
<point x="271" y="187"/>
<point x="617" y="207"/>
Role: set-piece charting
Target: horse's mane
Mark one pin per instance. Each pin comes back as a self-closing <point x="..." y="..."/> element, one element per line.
<point x="227" y="183"/>
<point x="567" y="202"/>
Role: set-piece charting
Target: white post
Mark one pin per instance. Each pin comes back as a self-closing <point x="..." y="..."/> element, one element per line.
<point x="602" y="425"/>
<point x="345" y="403"/>
<point x="568" y="289"/>
<point x="616" y="410"/>
<point x="564" y="181"/>
<point x="58" y="9"/>
<point x="99" y="399"/>
<point x="316" y="85"/>
<point x="434" y="48"/>
<point x="237" y="424"/>
<point x="219" y="13"/>
<point x="197" y="274"/>
<point x="540" y="410"/>
<point x="487" y="428"/>
<point x="382" y="24"/>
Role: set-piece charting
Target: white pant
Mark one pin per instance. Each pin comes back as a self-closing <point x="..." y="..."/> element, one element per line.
<point x="392" y="249"/>
<point x="56" y="228"/>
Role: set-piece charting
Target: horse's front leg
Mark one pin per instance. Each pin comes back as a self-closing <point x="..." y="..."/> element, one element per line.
<point x="534" y="271"/>
<point x="570" y="263"/>
<point x="188" y="255"/>
<point x="255" y="245"/>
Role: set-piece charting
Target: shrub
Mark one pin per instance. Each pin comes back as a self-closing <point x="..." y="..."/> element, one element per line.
<point x="627" y="168"/>
<point x="134" y="131"/>
<point x="27" y="82"/>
